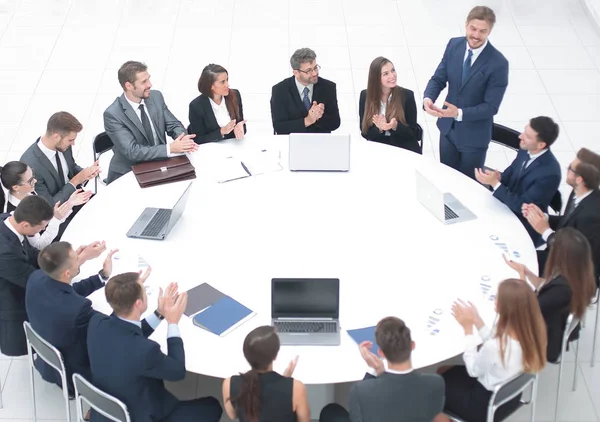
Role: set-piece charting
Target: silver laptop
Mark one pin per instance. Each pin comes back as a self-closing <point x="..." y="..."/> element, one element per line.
<point x="444" y="206"/>
<point x="156" y="223"/>
<point x="306" y="311"/>
<point x="319" y="152"/>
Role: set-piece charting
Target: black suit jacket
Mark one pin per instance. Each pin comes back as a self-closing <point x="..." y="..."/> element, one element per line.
<point x="60" y="313"/>
<point x="48" y="184"/>
<point x="585" y="218"/>
<point x="203" y="122"/>
<point x="288" y="112"/>
<point x="555" y="300"/>
<point x="404" y="136"/>
<point x="129" y="366"/>
<point x="17" y="263"/>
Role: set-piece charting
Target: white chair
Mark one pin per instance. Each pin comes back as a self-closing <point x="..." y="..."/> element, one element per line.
<point x="52" y="357"/>
<point x="572" y="323"/>
<point x="507" y="391"/>
<point x="105" y="404"/>
<point x="596" y="327"/>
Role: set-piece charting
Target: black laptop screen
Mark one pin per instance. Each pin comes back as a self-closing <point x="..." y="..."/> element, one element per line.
<point x="305" y="298"/>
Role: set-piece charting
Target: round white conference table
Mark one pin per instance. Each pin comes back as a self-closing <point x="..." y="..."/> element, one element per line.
<point x="365" y="227"/>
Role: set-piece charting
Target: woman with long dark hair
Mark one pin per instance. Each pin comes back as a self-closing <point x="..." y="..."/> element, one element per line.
<point x="387" y="112"/>
<point x="262" y="395"/>
<point x="567" y="286"/>
<point x="217" y="113"/>
<point x="516" y="344"/>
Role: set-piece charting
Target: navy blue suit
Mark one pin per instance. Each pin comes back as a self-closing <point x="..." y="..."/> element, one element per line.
<point x="129" y="366"/>
<point x="463" y="145"/>
<point x="60" y="313"/>
<point x="534" y="184"/>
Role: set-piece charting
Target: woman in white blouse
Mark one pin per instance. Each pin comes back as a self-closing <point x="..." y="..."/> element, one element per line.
<point x="516" y="343"/>
<point x="19" y="180"/>
<point x="217" y="113"/>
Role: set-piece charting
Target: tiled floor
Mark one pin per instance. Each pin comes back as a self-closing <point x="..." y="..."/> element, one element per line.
<point x="63" y="55"/>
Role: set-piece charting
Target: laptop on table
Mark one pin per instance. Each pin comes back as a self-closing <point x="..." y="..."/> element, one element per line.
<point x="305" y="311"/>
<point x="319" y="152"/>
<point x="156" y="223"/>
<point x="444" y="206"/>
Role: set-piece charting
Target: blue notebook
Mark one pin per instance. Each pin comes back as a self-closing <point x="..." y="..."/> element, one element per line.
<point x="223" y="316"/>
<point x="365" y="334"/>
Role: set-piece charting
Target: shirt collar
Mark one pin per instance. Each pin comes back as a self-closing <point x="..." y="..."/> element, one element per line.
<point x="13" y="200"/>
<point x="534" y="156"/>
<point x="136" y="323"/>
<point x="47" y="151"/>
<point x="391" y="371"/>
<point x="214" y="105"/>
<point x="135" y="106"/>
<point x="476" y="51"/>
<point x="12" y="229"/>
<point x="578" y="199"/>
<point x="301" y="87"/>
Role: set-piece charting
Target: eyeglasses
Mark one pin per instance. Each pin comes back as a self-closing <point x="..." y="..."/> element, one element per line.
<point x="571" y="169"/>
<point x="30" y="182"/>
<point x="309" y="71"/>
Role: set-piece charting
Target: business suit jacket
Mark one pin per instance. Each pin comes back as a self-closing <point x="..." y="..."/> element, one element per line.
<point x="555" y="300"/>
<point x="131" y="145"/>
<point x="404" y="136"/>
<point x="129" y="366"/>
<point x="288" y="111"/>
<point x="48" y="185"/>
<point x="411" y="397"/>
<point x="17" y="263"/>
<point x="536" y="184"/>
<point x="60" y="313"/>
<point x="479" y="98"/>
<point x="203" y="122"/>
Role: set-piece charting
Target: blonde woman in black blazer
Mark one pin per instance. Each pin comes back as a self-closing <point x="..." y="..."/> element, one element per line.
<point x="217" y="113"/>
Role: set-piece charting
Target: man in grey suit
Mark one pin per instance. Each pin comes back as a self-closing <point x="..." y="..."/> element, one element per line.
<point x="136" y="123"/>
<point x="395" y="394"/>
<point x="51" y="159"/>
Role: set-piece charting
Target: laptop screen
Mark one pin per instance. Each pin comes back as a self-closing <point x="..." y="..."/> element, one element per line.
<point x="305" y="298"/>
<point x="178" y="209"/>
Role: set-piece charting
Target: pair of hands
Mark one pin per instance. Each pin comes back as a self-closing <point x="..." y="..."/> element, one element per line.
<point x="183" y="143"/>
<point x="466" y="315"/>
<point x="86" y="174"/>
<point x="488" y="177"/>
<point x="536" y="217"/>
<point x="171" y="303"/>
<point x="382" y="124"/>
<point x="78" y="197"/>
<point x="237" y="128"/>
<point x="315" y="113"/>
<point x="430" y="108"/>
<point x="94" y="250"/>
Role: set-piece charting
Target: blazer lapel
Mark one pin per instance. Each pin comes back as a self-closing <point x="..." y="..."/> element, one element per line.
<point x="481" y="60"/>
<point x="131" y="115"/>
<point x="208" y="111"/>
<point x="296" y="95"/>
<point x="533" y="165"/>
<point x="47" y="164"/>
<point x="153" y="112"/>
<point x="578" y="208"/>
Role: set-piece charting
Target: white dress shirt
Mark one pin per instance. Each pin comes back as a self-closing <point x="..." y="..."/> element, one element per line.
<point x="221" y="112"/>
<point x="383" y="109"/>
<point x="301" y="90"/>
<point x="486" y="364"/>
<point x="153" y="321"/>
<point x="527" y="164"/>
<point x="51" y="155"/>
<point x="138" y="112"/>
<point x="476" y="53"/>
<point x="577" y="200"/>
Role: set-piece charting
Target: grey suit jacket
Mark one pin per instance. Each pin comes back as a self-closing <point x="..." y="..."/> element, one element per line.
<point x="48" y="184"/>
<point x="411" y="397"/>
<point x="131" y="146"/>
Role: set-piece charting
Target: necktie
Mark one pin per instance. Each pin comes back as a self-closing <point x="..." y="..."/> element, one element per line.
<point x="570" y="207"/>
<point x="59" y="169"/>
<point x="146" y="125"/>
<point x="467" y="66"/>
<point x="25" y="244"/>
<point x="305" y="99"/>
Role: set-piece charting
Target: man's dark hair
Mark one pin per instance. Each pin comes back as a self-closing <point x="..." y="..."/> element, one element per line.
<point x="129" y="70"/>
<point x="393" y="338"/>
<point x="122" y="291"/>
<point x="63" y="123"/>
<point x="54" y="258"/>
<point x="33" y="209"/>
<point x="546" y="128"/>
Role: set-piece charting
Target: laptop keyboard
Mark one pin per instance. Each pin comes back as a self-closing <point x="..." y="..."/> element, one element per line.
<point x="158" y="222"/>
<point x="306" y="327"/>
<point x="450" y="215"/>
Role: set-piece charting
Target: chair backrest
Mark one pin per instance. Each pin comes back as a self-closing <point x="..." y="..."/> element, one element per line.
<point x="556" y="202"/>
<point x="102" y="143"/>
<point x="572" y="323"/>
<point x="505" y="136"/>
<point x="103" y="403"/>
<point x="511" y="389"/>
<point x="45" y="350"/>
<point x="420" y="138"/>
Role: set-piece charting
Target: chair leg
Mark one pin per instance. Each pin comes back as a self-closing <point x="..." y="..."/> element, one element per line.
<point x="576" y="363"/>
<point x="560" y="365"/>
<point x="65" y="390"/>
<point x="32" y="376"/>
<point x="595" y="329"/>
<point x="533" y="398"/>
<point x="1" y="404"/>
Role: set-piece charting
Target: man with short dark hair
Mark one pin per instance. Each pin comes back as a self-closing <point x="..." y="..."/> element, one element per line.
<point x="534" y="175"/>
<point x="59" y="311"/>
<point x="305" y="102"/>
<point x="582" y="211"/>
<point x="136" y="123"/>
<point x="396" y="393"/>
<point x="129" y="366"/>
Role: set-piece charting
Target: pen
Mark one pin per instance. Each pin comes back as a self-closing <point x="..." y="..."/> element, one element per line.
<point x="246" y="168"/>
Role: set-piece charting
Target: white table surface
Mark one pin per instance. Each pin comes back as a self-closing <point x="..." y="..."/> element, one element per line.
<point x="364" y="227"/>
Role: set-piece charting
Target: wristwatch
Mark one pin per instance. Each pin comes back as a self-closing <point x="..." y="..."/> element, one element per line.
<point x="158" y="315"/>
<point x="102" y="275"/>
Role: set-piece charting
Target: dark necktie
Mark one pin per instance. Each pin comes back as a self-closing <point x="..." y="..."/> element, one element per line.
<point x="305" y="99"/>
<point x="59" y="169"/>
<point x="570" y="207"/>
<point x="146" y="125"/>
<point x="467" y="66"/>
<point x="25" y="247"/>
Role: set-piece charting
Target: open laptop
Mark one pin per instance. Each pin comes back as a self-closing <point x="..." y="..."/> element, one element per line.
<point x="444" y="206"/>
<point x="305" y="311"/>
<point x="319" y="152"/>
<point x="156" y="223"/>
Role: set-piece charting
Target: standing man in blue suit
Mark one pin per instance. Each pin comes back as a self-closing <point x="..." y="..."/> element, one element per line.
<point x="131" y="367"/>
<point x="534" y="175"/>
<point x="477" y="76"/>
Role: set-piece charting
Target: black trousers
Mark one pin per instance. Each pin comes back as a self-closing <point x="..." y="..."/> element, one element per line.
<point x="465" y="160"/>
<point x="205" y="409"/>
<point x="334" y="413"/>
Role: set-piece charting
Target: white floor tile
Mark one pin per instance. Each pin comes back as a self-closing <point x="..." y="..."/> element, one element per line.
<point x="571" y="81"/>
<point x="577" y="108"/>
<point x="519" y="107"/>
<point x="561" y="57"/>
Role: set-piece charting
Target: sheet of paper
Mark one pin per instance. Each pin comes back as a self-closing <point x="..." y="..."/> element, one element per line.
<point x="229" y="169"/>
<point x="262" y="162"/>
